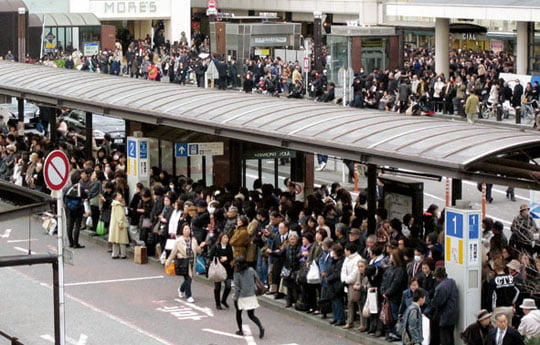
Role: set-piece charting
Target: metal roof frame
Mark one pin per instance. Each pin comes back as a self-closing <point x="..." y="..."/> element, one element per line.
<point x="441" y="147"/>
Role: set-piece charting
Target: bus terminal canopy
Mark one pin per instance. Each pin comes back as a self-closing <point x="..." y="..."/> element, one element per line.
<point x="477" y="152"/>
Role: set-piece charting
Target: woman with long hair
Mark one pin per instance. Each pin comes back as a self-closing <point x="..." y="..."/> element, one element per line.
<point x="222" y="250"/>
<point x="185" y="247"/>
<point x="244" y="294"/>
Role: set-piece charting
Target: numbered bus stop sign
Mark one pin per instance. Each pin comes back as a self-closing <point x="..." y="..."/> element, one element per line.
<point x="56" y="170"/>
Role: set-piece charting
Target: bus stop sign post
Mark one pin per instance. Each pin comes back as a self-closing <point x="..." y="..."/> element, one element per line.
<point x="56" y="172"/>
<point x="307" y="67"/>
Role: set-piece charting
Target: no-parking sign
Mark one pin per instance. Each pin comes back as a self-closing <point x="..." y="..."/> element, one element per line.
<point x="56" y="170"/>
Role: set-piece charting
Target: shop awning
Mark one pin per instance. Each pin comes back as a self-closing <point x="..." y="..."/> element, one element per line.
<point x="69" y="19"/>
<point x="456" y="149"/>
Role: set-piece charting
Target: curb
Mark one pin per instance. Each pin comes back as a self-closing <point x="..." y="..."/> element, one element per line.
<point x="268" y="302"/>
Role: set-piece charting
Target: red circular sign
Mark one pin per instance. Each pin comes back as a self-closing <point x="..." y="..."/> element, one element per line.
<point x="56" y="170"/>
<point x="211" y="3"/>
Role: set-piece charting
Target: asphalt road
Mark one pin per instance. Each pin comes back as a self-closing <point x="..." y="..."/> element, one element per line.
<point x="119" y="302"/>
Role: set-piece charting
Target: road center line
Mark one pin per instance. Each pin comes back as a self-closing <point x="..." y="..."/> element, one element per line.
<point x="113" y="281"/>
<point x="17" y="241"/>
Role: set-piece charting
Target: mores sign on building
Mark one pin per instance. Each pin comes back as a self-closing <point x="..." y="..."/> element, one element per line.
<point x="126" y="9"/>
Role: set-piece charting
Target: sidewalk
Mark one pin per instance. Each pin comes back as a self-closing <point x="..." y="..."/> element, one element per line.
<point x="268" y="302"/>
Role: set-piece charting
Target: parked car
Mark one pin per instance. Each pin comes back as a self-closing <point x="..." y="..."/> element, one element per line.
<point x="102" y="124"/>
<point x="32" y="122"/>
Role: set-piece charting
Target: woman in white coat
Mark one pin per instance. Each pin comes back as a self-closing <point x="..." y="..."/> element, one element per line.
<point x="118" y="228"/>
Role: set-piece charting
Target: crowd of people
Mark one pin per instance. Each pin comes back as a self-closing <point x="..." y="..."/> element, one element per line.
<point x="319" y="255"/>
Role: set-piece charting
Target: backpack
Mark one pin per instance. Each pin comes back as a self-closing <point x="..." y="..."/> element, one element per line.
<point x="73" y="198"/>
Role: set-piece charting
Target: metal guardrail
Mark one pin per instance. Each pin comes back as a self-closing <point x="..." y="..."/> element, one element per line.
<point x="14" y="341"/>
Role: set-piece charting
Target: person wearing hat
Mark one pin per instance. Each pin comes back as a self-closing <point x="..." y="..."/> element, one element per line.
<point x="446" y="306"/>
<point x="530" y="323"/>
<point x="477" y="332"/>
<point x="524" y="231"/>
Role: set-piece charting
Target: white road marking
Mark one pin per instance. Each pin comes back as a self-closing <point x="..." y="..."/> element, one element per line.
<point x="497" y="191"/>
<point x="113" y="281"/>
<point x="82" y="339"/>
<point x="487" y="215"/>
<point x="17" y="241"/>
<point x="6" y="234"/>
<point x="248" y="336"/>
<point x="222" y="333"/>
<point x="24" y="250"/>
<point x="204" y="310"/>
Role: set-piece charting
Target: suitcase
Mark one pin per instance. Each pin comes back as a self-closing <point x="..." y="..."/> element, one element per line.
<point x="140" y="256"/>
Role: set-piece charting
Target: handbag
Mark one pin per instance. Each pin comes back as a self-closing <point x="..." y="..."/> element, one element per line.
<point x="386" y="313"/>
<point x="301" y="276"/>
<point x="216" y="272"/>
<point x="155" y="230"/>
<point x="181" y="266"/>
<point x="285" y="273"/>
<point x="260" y="289"/>
<point x="365" y="310"/>
<point x="89" y="222"/>
<point x="200" y="265"/>
<point x="170" y="269"/>
<point x="100" y="228"/>
<point x="147" y="223"/>
<point x="354" y="295"/>
<point x="372" y="302"/>
<point x="313" y="275"/>
<point x="169" y="245"/>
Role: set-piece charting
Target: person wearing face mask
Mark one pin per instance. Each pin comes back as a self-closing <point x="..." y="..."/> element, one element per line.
<point x="414" y="268"/>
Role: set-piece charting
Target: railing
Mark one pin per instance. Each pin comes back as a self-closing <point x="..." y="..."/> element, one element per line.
<point x="14" y="341"/>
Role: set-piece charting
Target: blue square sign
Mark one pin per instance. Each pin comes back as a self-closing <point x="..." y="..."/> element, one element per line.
<point x="454" y="224"/>
<point x="144" y="150"/>
<point x="474" y="226"/>
<point x="180" y="150"/>
<point x="132" y="149"/>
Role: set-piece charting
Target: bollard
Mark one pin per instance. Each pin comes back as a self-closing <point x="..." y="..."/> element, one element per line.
<point x="499" y="112"/>
<point x="444" y="109"/>
<point x="461" y="110"/>
<point x="518" y="115"/>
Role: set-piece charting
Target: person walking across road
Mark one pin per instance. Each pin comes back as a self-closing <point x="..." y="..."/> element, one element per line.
<point x="244" y="294"/>
<point x="223" y="251"/>
<point x="186" y="250"/>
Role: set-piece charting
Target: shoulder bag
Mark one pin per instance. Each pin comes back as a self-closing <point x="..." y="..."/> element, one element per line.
<point x="181" y="266"/>
<point x="216" y="272"/>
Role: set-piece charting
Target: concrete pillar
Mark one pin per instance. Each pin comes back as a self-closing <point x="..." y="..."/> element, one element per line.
<point x="441" y="45"/>
<point x="89" y="135"/>
<point x="180" y="20"/>
<point x="522" y="48"/>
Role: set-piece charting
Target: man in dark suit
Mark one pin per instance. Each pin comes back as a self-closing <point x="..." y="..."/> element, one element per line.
<point x="504" y="334"/>
<point x="277" y="257"/>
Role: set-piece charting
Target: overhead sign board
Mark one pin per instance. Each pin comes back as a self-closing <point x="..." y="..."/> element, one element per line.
<point x="269" y="154"/>
<point x="198" y="149"/>
<point x="124" y="9"/>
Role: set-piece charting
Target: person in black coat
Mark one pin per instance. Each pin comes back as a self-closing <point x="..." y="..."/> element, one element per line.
<point x="335" y="286"/>
<point x="222" y="250"/>
<point x="478" y="332"/>
<point x="199" y="223"/>
<point x="509" y="335"/>
<point x="446" y="306"/>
